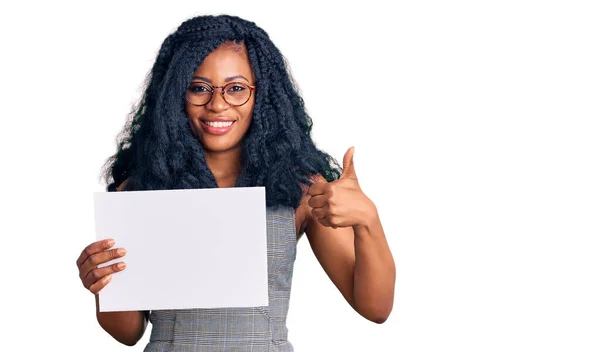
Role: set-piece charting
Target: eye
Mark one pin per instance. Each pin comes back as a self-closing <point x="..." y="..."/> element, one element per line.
<point x="236" y="88"/>
<point x="200" y="88"/>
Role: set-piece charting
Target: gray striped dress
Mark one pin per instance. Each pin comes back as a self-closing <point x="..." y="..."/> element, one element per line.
<point x="257" y="329"/>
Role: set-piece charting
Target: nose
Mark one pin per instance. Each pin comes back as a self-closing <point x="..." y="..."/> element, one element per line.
<point x="218" y="103"/>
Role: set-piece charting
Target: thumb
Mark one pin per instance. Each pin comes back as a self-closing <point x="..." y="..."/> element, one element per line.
<point x="348" y="171"/>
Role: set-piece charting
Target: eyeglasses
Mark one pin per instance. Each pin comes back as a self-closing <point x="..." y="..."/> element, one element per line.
<point x="234" y="93"/>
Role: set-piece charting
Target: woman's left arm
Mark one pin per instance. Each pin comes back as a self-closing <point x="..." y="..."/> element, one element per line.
<point x="346" y="235"/>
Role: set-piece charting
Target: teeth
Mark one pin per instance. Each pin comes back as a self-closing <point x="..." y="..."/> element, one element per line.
<point x="219" y="124"/>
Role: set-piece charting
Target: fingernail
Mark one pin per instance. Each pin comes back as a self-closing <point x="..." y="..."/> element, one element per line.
<point x="121" y="265"/>
<point x="110" y="242"/>
<point x="108" y="278"/>
<point x="121" y="251"/>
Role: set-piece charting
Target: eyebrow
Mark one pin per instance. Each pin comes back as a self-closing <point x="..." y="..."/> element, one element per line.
<point x="228" y="79"/>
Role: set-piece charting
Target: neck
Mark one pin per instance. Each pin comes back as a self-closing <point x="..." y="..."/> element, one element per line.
<point x="226" y="166"/>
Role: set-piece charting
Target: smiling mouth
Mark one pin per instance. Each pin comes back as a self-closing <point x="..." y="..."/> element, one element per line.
<point x="218" y="124"/>
<point x="217" y="127"/>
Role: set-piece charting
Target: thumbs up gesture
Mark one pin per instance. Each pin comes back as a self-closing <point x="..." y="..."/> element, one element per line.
<point x="341" y="203"/>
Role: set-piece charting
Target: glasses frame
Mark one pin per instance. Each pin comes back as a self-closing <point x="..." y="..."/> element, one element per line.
<point x="213" y="88"/>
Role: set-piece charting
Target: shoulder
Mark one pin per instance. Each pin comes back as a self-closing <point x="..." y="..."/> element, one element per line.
<point x="122" y="185"/>
<point x="318" y="178"/>
<point x="303" y="210"/>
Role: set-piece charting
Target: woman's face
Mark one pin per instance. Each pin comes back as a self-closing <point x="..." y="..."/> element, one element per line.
<point x="218" y="125"/>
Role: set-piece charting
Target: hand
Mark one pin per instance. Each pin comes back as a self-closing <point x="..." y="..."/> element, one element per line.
<point x="341" y="203"/>
<point x="92" y="277"/>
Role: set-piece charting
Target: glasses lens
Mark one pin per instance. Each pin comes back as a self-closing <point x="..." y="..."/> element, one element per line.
<point x="237" y="93"/>
<point x="199" y="93"/>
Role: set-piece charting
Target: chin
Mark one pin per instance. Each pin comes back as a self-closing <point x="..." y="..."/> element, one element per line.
<point x="219" y="146"/>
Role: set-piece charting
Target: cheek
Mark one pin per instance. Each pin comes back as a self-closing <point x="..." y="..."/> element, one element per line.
<point x="248" y="111"/>
<point x="192" y="113"/>
<point x="189" y="111"/>
<point x="249" y="114"/>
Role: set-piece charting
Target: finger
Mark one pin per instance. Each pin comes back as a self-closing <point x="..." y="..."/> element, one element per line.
<point x="94" y="248"/>
<point x="324" y="221"/>
<point x="334" y="221"/>
<point x="319" y="213"/>
<point x="318" y="188"/>
<point x="96" y="259"/>
<point x="99" y="285"/>
<point x="99" y="273"/>
<point x="349" y="171"/>
<point x="318" y="201"/>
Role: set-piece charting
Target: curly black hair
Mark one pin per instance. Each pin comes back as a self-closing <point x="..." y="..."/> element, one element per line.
<point x="157" y="150"/>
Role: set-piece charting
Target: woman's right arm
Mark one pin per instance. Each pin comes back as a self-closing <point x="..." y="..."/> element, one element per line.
<point x="126" y="327"/>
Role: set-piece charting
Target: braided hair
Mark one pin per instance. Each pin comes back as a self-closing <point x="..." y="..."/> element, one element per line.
<point x="156" y="149"/>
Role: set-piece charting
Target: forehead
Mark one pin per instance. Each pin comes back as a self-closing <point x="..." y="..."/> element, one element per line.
<point x="226" y="61"/>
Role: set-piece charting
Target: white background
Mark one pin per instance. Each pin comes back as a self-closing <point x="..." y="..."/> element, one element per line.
<point x="476" y="126"/>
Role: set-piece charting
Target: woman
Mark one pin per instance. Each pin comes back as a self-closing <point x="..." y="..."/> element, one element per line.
<point x="221" y="110"/>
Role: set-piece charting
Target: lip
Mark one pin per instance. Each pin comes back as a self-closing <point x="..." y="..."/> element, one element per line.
<point x="218" y="131"/>
<point x="218" y="119"/>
